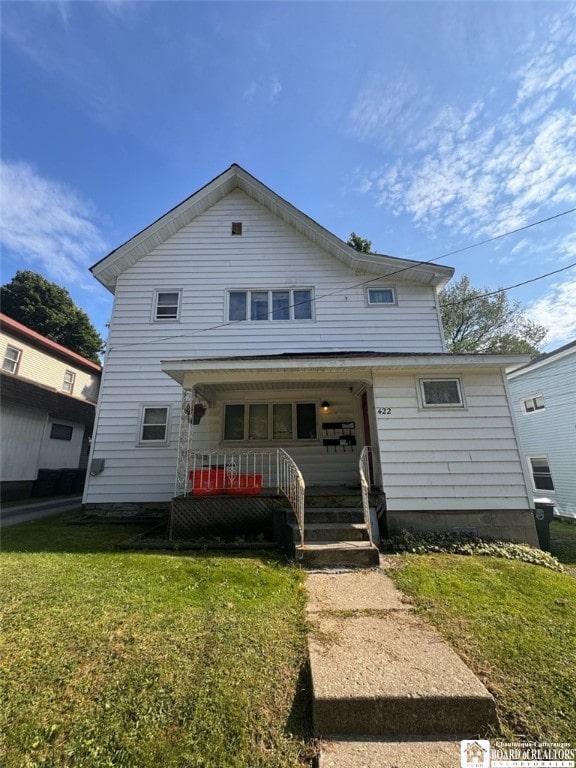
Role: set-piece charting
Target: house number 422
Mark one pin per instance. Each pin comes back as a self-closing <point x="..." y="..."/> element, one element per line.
<point x="384" y="411"/>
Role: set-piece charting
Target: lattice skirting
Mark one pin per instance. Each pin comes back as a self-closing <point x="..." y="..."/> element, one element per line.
<point x="226" y="517"/>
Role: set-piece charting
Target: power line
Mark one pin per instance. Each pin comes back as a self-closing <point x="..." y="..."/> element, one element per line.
<point x="412" y="265"/>
<point x="509" y="288"/>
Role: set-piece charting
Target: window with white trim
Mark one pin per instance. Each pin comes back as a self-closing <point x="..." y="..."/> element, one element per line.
<point x="154" y="425"/>
<point x="441" y="393"/>
<point x="167" y="305"/>
<point x="535" y="403"/>
<point x="380" y="296"/>
<point x="541" y="475"/>
<point x="11" y="359"/>
<point x="270" y="421"/>
<point x="282" y="304"/>
<point x="68" y="383"/>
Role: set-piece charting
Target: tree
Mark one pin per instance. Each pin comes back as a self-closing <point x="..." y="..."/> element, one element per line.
<point x="48" y="309"/>
<point x="474" y="322"/>
<point x="359" y="243"/>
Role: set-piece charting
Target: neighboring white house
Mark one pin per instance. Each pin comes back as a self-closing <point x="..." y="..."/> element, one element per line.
<point x="544" y="398"/>
<point x="237" y="302"/>
<point x="48" y="405"/>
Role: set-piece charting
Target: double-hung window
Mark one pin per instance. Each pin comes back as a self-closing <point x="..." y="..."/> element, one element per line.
<point x="11" y="359"/>
<point x="270" y="421"/>
<point x="154" y="425"/>
<point x="541" y="475"/>
<point x="167" y="305"/>
<point x="283" y="304"/>
<point x="68" y="383"/>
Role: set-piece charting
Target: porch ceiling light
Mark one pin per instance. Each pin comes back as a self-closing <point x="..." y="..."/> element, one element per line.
<point x="325" y="405"/>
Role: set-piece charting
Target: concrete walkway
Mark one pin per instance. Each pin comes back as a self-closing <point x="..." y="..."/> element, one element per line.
<point x="35" y="510"/>
<point x="388" y="692"/>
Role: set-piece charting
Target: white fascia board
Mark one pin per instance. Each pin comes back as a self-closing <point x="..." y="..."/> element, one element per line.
<point x="343" y="367"/>
<point x="552" y="358"/>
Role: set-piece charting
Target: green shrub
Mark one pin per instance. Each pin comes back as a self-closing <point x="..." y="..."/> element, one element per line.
<point x="458" y="543"/>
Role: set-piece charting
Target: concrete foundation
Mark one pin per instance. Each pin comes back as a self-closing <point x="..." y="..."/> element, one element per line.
<point x="506" y="524"/>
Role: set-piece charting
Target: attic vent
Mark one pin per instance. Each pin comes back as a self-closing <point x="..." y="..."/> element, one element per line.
<point x="236" y="227"/>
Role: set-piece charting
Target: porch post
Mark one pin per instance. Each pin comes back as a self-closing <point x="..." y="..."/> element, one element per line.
<point x="184" y="442"/>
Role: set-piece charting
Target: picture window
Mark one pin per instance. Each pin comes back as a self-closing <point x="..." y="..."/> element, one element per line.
<point x="377" y="297"/>
<point x="441" y="393"/>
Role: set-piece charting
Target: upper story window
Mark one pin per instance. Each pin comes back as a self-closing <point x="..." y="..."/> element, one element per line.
<point x="535" y="403"/>
<point x="541" y="475"/>
<point x="441" y="393"/>
<point x="11" y="359"/>
<point x="68" y="383"/>
<point x="154" y="425"/>
<point x="270" y="421"/>
<point x="288" y="304"/>
<point x="167" y="305"/>
<point x="236" y="227"/>
<point x="378" y="297"/>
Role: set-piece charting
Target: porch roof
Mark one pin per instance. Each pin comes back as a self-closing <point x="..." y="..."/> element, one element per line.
<point x="317" y="366"/>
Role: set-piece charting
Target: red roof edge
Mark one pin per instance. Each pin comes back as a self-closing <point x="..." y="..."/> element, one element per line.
<point x="8" y="324"/>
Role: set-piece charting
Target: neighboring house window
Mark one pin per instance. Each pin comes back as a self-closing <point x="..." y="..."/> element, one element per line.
<point x="167" y="305"/>
<point x="541" y="475"/>
<point x="289" y="304"/>
<point x="61" y="432"/>
<point x="236" y="227"/>
<point x="154" y="426"/>
<point x="535" y="403"/>
<point x="441" y="392"/>
<point x="270" y="421"/>
<point x="68" y="384"/>
<point x="377" y="297"/>
<point x="11" y="359"/>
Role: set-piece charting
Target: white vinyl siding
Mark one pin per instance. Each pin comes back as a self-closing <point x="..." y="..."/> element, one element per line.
<point x="550" y="431"/>
<point x="465" y="459"/>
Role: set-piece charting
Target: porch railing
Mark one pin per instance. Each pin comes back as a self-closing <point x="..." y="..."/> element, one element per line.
<point x="364" y="468"/>
<point x="248" y="472"/>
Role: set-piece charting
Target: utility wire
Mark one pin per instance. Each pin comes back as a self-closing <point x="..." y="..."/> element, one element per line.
<point x="412" y="265"/>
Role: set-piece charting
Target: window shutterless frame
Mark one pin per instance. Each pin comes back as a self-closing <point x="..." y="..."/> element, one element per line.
<point x="441" y="393"/>
<point x="167" y="306"/>
<point x="380" y="296"/>
<point x="534" y="403"/>
<point x="541" y="474"/>
<point x="154" y="424"/>
<point x="269" y="305"/>
<point x="68" y="383"/>
<point x="270" y="422"/>
<point x="11" y="359"/>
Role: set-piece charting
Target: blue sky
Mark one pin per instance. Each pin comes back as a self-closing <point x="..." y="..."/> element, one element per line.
<point x="424" y="127"/>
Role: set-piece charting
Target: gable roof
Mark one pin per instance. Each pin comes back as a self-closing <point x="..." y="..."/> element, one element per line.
<point x="117" y="261"/>
<point x="544" y="359"/>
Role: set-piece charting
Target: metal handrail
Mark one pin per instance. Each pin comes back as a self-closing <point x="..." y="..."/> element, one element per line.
<point x="249" y="470"/>
<point x="364" y="469"/>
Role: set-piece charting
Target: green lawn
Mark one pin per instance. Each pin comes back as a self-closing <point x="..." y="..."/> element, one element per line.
<point x="514" y="624"/>
<point x="132" y="660"/>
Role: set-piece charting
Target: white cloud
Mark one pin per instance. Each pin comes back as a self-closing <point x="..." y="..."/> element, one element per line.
<point x="47" y="226"/>
<point x="556" y="310"/>
<point x="488" y="167"/>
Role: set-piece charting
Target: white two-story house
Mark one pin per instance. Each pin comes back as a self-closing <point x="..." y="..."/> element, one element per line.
<point x="240" y="324"/>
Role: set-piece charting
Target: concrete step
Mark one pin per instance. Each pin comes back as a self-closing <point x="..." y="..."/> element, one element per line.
<point x="323" y="532"/>
<point x="421" y="753"/>
<point x="395" y="677"/>
<point x="317" y="515"/>
<point x="355" y="554"/>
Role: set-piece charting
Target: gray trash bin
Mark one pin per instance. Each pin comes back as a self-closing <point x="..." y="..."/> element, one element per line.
<point x="543" y="516"/>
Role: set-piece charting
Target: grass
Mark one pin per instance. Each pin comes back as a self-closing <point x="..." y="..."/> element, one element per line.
<point x="514" y="624"/>
<point x="134" y="660"/>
